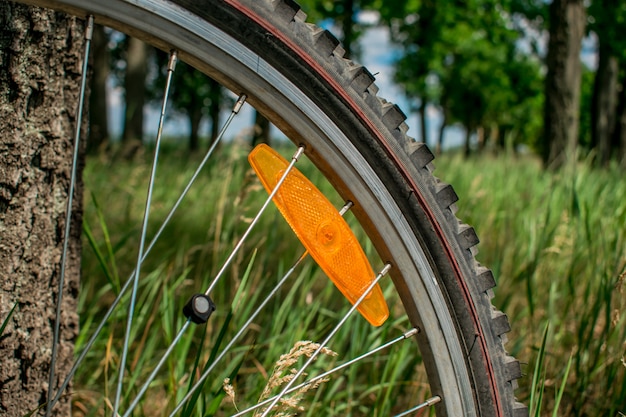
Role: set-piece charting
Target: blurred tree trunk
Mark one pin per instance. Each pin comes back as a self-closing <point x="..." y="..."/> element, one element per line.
<point x="98" y="115"/>
<point x="423" y="121"/>
<point x="562" y="97"/>
<point x="261" y="132"/>
<point x="442" y="129"/>
<point x="467" y="148"/>
<point x="604" y="104"/>
<point x="214" y="109"/>
<point x="135" y="87"/>
<point x="40" y="66"/>
<point x="347" y="28"/>
<point x="619" y="133"/>
<point x="195" y="117"/>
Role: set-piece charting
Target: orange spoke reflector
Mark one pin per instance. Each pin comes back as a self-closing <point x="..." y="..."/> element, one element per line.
<point x="322" y="231"/>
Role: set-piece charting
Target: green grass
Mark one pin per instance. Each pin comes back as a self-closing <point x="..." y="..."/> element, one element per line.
<point x="184" y="261"/>
<point x="556" y="243"/>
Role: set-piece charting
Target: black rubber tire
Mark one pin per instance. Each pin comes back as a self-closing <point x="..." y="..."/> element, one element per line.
<point x="374" y="140"/>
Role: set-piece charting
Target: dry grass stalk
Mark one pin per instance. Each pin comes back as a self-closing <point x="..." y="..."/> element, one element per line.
<point x="283" y="373"/>
<point x="230" y="392"/>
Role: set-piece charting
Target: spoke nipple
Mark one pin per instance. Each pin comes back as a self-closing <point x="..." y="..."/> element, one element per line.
<point x="171" y="66"/>
<point x="411" y="332"/>
<point x="89" y="29"/>
<point x="434" y="400"/>
<point x="346" y="207"/>
<point x="298" y="153"/>
<point x="199" y="308"/>
<point x="242" y="99"/>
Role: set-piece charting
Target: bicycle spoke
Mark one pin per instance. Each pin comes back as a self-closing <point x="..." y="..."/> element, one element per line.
<point x="428" y="403"/>
<point x="404" y="336"/>
<point x="322" y="345"/>
<point x="146" y="215"/>
<point x="235" y="111"/>
<point x="68" y="211"/>
<point x="280" y="182"/>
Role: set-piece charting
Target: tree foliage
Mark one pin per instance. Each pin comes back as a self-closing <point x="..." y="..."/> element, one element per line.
<point x="465" y="58"/>
<point x="193" y="96"/>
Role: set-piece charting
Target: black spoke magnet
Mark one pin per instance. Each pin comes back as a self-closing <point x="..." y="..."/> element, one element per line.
<point x="199" y="308"/>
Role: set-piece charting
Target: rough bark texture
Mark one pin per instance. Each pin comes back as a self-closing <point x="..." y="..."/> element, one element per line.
<point x="567" y="27"/>
<point x="40" y="58"/>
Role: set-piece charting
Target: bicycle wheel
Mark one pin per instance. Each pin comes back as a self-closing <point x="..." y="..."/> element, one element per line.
<point x="296" y="75"/>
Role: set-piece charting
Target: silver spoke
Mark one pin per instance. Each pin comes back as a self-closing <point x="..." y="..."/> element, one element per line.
<point x="322" y="345"/>
<point x="428" y="403"/>
<point x="68" y="211"/>
<point x="405" y="336"/>
<point x="144" y="227"/>
<point x="206" y="373"/>
<point x="156" y="369"/>
<point x="237" y="107"/>
<point x="243" y="328"/>
<point x="280" y="182"/>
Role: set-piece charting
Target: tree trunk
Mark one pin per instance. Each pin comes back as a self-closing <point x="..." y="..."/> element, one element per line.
<point x="195" y="117"/>
<point x="214" y="109"/>
<point x="98" y="119"/>
<point x="423" y="125"/>
<point x="604" y="105"/>
<point x="347" y="27"/>
<point x="135" y="86"/>
<point x="467" y="149"/>
<point x="261" y="133"/>
<point x="442" y="129"/>
<point x="619" y="133"/>
<point x="567" y="27"/>
<point x="40" y="66"/>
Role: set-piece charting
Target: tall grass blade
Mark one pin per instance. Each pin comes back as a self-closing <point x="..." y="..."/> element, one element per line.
<point x="538" y="384"/>
<point x="8" y="318"/>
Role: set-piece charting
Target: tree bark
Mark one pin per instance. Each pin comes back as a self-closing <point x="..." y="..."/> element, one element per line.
<point x="135" y="86"/>
<point x="40" y="65"/>
<point x="347" y="28"/>
<point x="442" y="129"/>
<point x="195" y="117"/>
<point x="214" y="109"/>
<point x="604" y="104"/>
<point x="261" y="133"/>
<point x="423" y="121"/>
<point x="98" y="114"/>
<point x="567" y="27"/>
<point x="619" y="133"/>
<point x="467" y="148"/>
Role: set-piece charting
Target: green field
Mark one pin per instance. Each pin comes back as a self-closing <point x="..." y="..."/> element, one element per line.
<point x="556" y="243"/>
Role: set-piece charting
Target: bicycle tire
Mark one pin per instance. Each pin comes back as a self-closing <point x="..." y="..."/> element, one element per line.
<point x="296" y="75"/>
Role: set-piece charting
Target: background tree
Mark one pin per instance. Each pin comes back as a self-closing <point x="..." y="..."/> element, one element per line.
<point x="100" y="70"/>
<point x="608" y="22"/>
<point x="464" y="58"/>
<point x="137" y="57"/>
<point x="192" y="95"/>
<point x="563" y="80"/>
<point x="40" y="59"/>
<point x="344" y="15"/>
<point x="417" y="27"/>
